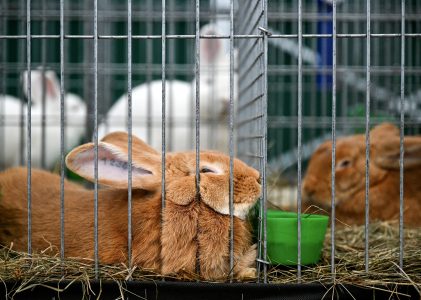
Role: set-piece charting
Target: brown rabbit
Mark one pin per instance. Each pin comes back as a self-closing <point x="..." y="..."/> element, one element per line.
<point x="171" y="251"/>
<point x="350" y="177"/>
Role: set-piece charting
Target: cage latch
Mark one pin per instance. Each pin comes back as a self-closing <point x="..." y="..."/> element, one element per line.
<point x="265" y="31"/>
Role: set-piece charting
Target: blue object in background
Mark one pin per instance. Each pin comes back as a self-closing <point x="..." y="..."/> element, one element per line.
<point x="324" y="45"/>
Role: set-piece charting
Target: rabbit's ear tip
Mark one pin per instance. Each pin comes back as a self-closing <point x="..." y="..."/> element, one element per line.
<point x="209" y="28"/>
<point x="113" y="135"/>
<point x="385" y="125"/>
<point x="385" y="128"/>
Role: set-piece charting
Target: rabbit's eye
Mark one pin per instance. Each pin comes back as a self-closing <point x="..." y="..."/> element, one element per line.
<point x="343" y="164"/>
<point x="206" y="170"/>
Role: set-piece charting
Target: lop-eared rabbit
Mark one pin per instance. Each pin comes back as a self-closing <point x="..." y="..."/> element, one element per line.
<point x="193" y="223"/>
<point x="384" y="177"/>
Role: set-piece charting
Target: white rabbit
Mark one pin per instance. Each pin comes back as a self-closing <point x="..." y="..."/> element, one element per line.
<point x="10" y="131"/>
<point x="75" y="110"/>
<point x="180" y="104"/>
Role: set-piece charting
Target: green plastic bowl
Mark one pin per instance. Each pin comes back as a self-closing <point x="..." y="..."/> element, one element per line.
<point x="282" y="241"/>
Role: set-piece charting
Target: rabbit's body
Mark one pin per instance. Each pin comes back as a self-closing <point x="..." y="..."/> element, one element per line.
<point x="211" y="241"/>
<point x="350" y="177"/>
<point x="10" y="129"/>
<point x="180" y="104"/>
<point x="186" y="223"/>
<point x="381" y="205"/>
<point x="180" y="121"/>
<point x="79" y="215"/>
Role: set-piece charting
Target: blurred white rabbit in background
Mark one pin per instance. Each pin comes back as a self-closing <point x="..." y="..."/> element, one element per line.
<point x="10" y="131"/>
<point x="75" y="117"/>
<point x="180" y="103"/>
<point x="75" y="111"/>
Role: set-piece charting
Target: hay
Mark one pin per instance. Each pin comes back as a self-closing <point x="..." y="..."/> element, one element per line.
<point x="350" y="258"/>
<point x="349" y="263"/>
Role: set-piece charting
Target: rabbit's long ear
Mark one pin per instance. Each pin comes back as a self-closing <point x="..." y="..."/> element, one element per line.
<point x="52" y="86"/>
<point x="383" y="130"/>
<point x="210" y="49"/>
<point x="387" y="152"/>
<point x="121" y="139"/>
<point x="113" y="164"/>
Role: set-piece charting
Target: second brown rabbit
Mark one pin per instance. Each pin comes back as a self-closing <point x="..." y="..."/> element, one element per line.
<point x="350" y="177"/>
<point x="190" y="227"/>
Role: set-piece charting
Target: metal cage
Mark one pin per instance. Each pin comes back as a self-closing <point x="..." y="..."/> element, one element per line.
<point x="307" y="71"/>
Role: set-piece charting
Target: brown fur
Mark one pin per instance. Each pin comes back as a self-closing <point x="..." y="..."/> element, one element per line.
<point x="186" y="222"/>
<point x="79" y="221"/>
<point x="350" y="177"/>
<point x="204" y="231"/>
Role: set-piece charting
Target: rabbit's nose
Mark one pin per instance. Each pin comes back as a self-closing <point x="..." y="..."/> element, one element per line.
<point x="309" y="188"/>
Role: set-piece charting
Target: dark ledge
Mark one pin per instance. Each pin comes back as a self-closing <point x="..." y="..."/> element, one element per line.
<point x="200" y="291"/>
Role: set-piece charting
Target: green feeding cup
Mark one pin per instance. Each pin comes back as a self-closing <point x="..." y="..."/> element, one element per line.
<point x="282" y="241"/>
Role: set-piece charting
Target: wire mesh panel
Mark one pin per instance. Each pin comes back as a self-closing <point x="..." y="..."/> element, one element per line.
<point x="108" y="52"/>
<point x="336" y="69"/>
<point x="385" y="20"/>
<point x="259" y="80"/>
<point x="252" y="103"/>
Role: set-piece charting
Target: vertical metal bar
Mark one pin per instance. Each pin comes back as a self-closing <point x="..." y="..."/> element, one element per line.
<point x="105" y="54"/>
<point x="62" y="135"/>
<point x="281" y="81"/>
<point x="188" y="56"/>
<point x="163" y="44"/>
<point x="3" y="124"/>
<point x="231" y="140"/>
<point x="402" y="126"/>
<point x="415" y="47"/>
<point x="261" y="234"/>
<point x="299" y="133"/>
<point x="293" y="109"/>
<point x="197" y="116"/>
<point x="380" y="45"/>
<point x="171" y="62"/>
<point x="149" y="61"/>
<point x="313" y="83"/>
<point x="21" y="55"/>
<point x="264" y="148"/>
<point x="96" y="138"/>
<point x="163" y="52"/>
<point x="333" y="138"/>
<point x="29" y="140"/>
<point x="358" y="47"/>
<point x="367" y="136"/>
<point x="88" y="92"/>
<point x="129" y="127"/>
<point x="211" y="142"/>
<point x="43" y="87"/>
<point x="345" y="61"/>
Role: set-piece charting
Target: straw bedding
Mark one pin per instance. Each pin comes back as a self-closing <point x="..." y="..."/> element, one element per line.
<point x="349" y="263"/>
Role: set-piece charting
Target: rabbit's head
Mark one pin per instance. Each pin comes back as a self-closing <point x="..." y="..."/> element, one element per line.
<point x="350" y="166"/>
<point x="215" y="72"/>
<point x="180" y="173"/>
<point x="349" y="171"/>
<point x="50" y="82"/>
<point x="75" y="106"/>
<point x="214" y="182"/>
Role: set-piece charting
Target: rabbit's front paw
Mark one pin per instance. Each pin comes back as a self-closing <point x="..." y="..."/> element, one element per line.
<point x="246" y="273"/>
